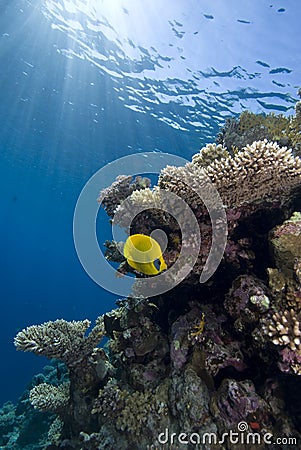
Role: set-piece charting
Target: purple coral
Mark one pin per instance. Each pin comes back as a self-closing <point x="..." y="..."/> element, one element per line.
<point x="238" y="401"/>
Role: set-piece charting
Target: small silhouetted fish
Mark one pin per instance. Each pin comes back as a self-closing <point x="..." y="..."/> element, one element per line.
<point x="280" y="70"/>
<point x="261" y="63"/>
<point x="243" y="21"/>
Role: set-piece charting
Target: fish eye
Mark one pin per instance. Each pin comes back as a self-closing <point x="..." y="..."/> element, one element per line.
<point x="157" y="264"/>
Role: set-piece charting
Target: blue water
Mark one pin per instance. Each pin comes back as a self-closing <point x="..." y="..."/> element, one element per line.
<point x="85" y="82"/>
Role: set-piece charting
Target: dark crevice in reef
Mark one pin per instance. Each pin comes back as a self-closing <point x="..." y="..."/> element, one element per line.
<point x="258" y="226"/>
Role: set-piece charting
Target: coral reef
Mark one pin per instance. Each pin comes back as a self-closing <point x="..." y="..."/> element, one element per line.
<point x="209" y="154"/>
<point x="87" y="365"/>
<point x="187" y="368"/>
<point x="178" y="366"/>
<point x="262" y="178"/>
<point x="21" y="426"/>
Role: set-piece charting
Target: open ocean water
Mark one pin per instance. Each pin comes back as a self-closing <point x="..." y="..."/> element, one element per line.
<point x="83" y="82"/>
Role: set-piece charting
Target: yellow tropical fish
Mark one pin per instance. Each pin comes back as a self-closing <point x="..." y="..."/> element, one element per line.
<point x="144" y="254"/>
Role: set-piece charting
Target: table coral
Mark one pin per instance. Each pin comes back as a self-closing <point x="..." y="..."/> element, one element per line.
<point x="59" y="339"/>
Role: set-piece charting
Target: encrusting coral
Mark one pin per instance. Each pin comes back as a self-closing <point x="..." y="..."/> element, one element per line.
<point x="23" y="427"/>
<point x="201" y="358"/>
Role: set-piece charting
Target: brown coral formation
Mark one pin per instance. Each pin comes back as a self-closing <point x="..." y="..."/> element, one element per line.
<point x="285" y="330"/>
<point x="47" y="397"/>
<point x="286" y="245"/>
